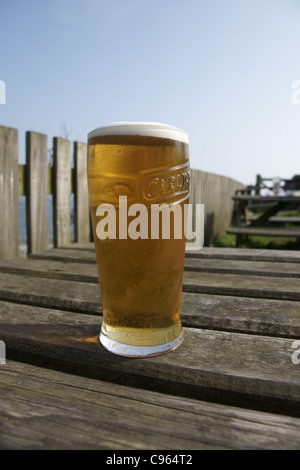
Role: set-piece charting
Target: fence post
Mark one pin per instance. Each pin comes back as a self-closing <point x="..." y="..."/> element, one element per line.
<point x="36" y="192"/>
<point x="9" y="194"/>
<point x="82" y="212"/>
<point x="61" y="178"/>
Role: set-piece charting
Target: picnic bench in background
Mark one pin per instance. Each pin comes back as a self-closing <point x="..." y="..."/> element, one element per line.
<point x="232" y="384"/>
<point x="250" y="199"/>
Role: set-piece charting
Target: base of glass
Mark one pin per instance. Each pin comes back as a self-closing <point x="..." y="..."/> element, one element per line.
<point x="129" y="350"/>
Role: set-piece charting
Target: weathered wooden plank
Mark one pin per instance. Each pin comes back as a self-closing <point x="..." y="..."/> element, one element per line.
<point x="243" y="267"/>
<point x="212" y="190"/>
<point x="201" y="282"/>
<point x="53" y="269"/>
<point x="133" y="424"/>
<point x="46" y="409"/>
<point x="61" y="257"/>
<point x="268" y="317"/>
<point x="192" y="263"/>
<point x="57" y="266"/>
<point x="280" y="219"/>
<point x="263" y="199"/>
<point x="22" y="179"/>
<point x="61" y="191"/>
<point x="225" y="283"/>
<point x="261" y="315"/>
<point x="228" y="313"/>
<point x="229" y="368"/>
<point x="9" y="176"/>
<point x="54" y="293"/>
<point x="82" y="213"/>
<point x="214" y="253"/>
<point x="67" y="255"/>
<point x="37" y="190"/>
<point x="244" y="286"/>
<point x="265" y="231"/>
<point x="291" y="256"/>
<point x="218" y="253"/>
<point x="80" y="246"/>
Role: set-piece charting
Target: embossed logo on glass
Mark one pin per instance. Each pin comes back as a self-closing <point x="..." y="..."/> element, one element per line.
<point x="166" y="184"/>
<point x="112" y="188"/>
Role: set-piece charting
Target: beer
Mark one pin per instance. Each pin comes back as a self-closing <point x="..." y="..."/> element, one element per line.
<point x="135" y="169"/>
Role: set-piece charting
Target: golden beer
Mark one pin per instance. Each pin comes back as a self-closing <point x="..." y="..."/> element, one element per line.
<point x="135" y="169"/>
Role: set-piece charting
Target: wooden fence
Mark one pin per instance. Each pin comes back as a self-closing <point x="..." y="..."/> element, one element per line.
<point x="36" y="180"/>
<point x="215" y="192"/>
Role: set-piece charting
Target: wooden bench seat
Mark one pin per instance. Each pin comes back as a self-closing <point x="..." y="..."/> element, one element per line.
<point x="265" y="231"/>
<point x="232" y="384"/>
<point x="48" y="409"/>
<point x="271" y="205"/>
<point x="280" y="219"/>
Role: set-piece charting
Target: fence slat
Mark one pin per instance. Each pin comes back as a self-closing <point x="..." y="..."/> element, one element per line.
<point x="82" y="213"/>
<point x="9" y="194"/>
<point x="61" y="191"/>
<point x="37" y="190"/>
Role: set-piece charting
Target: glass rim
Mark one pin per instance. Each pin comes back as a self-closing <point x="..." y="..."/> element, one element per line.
<point x="143" y="128"/>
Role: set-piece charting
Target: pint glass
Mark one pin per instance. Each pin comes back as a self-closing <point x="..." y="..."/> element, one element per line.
<point x="138" y="178"/>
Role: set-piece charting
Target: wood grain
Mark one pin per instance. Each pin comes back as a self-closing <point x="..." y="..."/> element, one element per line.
<point x="214" y="308"/>
<point x="229" y="368"/>
<point x="265" y="231"/>
<point x="215" y="281"/>
<point x="290" y="256"/>
<point x="212" y="190"/>
<point x="82" y="212"/>
<point x="234" y="367"/>
<point x="221" y="266"/>
<point x="209" y="253"/>
<point x="37" y="191"/>
<point x="61" y="191"/>
<point x="229" y="313"/>
<point x="9" y="177"/>
<point x="45" y="409"/>
<point x="244" y="286"/>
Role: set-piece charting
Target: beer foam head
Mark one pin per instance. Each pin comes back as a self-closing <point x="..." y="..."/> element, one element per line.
<point x="149" y="129"/>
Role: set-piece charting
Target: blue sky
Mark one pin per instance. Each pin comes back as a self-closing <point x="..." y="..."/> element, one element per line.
<point x="221" y="70"/>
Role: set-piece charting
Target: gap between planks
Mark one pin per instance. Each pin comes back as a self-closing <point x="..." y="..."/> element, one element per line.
<point x="43" y="404"/>
<point x="250" y="371"/>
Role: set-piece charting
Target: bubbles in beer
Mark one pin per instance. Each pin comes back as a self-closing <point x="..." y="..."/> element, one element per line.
<point x="140" y="279"/>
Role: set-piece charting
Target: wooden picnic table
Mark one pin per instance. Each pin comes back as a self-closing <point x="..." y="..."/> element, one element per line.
<point x="234" y="383"/>
<point x="270" y="206"/>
